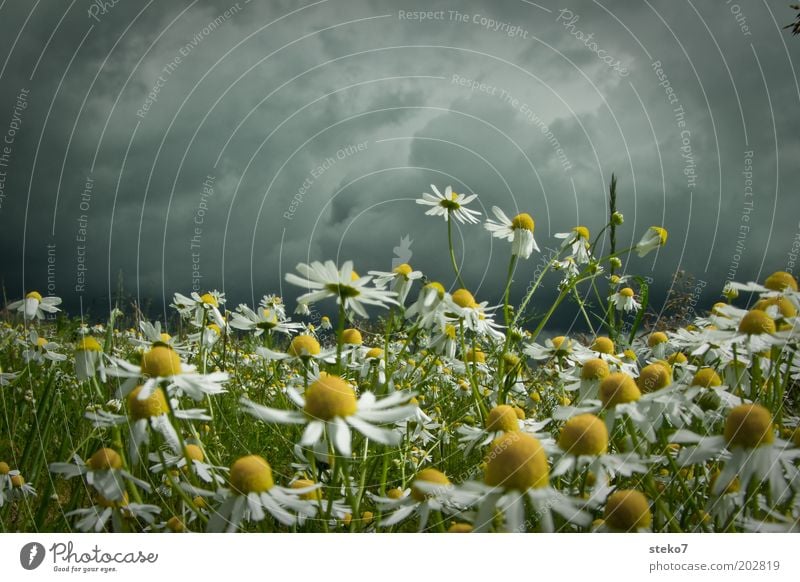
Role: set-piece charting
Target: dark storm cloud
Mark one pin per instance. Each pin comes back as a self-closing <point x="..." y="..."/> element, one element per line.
<point x="270" y="118"/>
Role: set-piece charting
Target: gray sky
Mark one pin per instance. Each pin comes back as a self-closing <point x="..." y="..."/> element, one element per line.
<point x="268" y="102"/>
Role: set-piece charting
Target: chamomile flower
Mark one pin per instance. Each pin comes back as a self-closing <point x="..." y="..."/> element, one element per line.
<point x="578" y="241"/>
<point x="625" y="300"/>
<point x="199" y="466"/>
<point x="518" y="231"/>
<point x="6" y="474"/>
<point x="400" y="280"/>
<point x="34" y="306"/>
<point x="266" y="319"/>
<point x="501" y="419"/>
<point x="450" y="203"/>
<point x="40" y="349"/>
<point x="350" y="290"/>
<point x="517" y="472"/>
<point x="162" y="364"/>
<point x="654" y="237"/>
<point x="329" y="409"/>
<point x="473" y="315"/>
<point x="96" y="517"/>
<point x="748" y="447"/>
<point x="89" y="359"/>
<point x="627" y="510"/>
<point x="103" y="471"/>
<point x="254" y="494"/>
<point x="430" y="491"/>
<point x="429" y="308"/>
<point x="201" y="309"/>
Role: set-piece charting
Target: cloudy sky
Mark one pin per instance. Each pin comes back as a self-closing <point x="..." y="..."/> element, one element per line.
<point x="151" y="142"/>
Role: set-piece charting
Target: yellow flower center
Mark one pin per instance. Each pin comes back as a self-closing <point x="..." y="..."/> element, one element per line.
<point x="677" y="358"/>
<point x="395" y="493"/>
<point x="757" y="322"/>
<point x="502" y="418"/>
<point x="464" y="298"/>
<point x="209" y="299"/>
<point x="706" y="377"/>
<point x="303" y="346"/>
<point x="582" y="232"/>
<point x="516" y="461"/>
<point x="17" y="480"/>
<point x="329" y="397"/>
<point x="428" y="475"/>
<point x="438" y="287"/>
<point x="315" y="495"/>
<point x="584" y="434"/>
<point x="194" y="452"/>
<point x="165" y="337"/>
<point x="749" y="426"/>
<point x="475" y="356"/>
<point x="595" y="369"/>
<point x="4" y="468"/>
<point x="352" y="336"/>
<point x="654" y="377"/>
<point x="175" y="525"/>
<point x="450" y="204"/>
<point x="618" y="388"/>
<point x="374" y="353"/>
<point x="662" y="234"/>
<point x="657" y="337"/>
<point x="41" y="342"/>
<point x="628" y="510"/>
<point x="403" y="269"/>
<point x="88" y="344"/>
<point x="785" y="307"/>
<point x="153" y="405"/>
<point x="460" y="528"/>
<point x="105" y="459"/>
<point x="34" y="295"/>
<point x="626" y="292"/>
<point x="251" y="474"/>
<point x="603" y="344"/>
<point x="161" y="361"/>
<point x="522" y="221"/>
<point x="781" y="280"/>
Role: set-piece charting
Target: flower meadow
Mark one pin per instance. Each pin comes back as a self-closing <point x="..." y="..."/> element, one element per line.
<point x="412" y="405"/>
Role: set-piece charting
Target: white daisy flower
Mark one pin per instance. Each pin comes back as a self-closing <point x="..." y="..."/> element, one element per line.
<point x="449" y="203"/>
<point x="431" y="491"/>
<point x="401" y="278"/>
<point x="517" y="472"/>
<point x="95" y="518"/>
<point x="162" y="363"/>
<point x="34" y="306"/>
<point x="200" y="309"/>
<point x="748" y="448"/>
<point x="429" y="308"/>
<point x="103" y="471"/>
<point x="654" y="237"/>
<point x="267" y="319"/>
<point x="40" y="349"/>
<point x="518" y="231"/>
<point x="624" y="300"/>
<point x="350" y="290"/>
<point x="254" y="494"/>
<point x="578" y="241"/>
<point x="329" y="409"/>
<point x="89" y="359"/>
